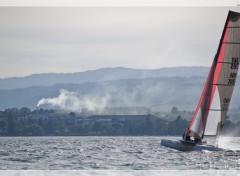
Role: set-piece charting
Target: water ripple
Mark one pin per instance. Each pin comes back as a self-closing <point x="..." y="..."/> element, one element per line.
<point x="135" y="153"/>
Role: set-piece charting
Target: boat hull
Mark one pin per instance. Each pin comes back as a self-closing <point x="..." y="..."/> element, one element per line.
<point x="187" y="146"/>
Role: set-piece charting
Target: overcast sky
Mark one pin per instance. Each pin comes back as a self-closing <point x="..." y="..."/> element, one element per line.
<point x="73" y="39"/>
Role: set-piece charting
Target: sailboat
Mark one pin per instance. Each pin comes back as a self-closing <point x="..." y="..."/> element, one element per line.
<point x="217" y="92"/>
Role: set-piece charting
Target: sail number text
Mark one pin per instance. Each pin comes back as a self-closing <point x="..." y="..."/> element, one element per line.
<point x="235" y="63"/>
<point x="232" y="76"/>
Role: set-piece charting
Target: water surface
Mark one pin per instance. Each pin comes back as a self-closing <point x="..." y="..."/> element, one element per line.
<point x="111" y="153"/>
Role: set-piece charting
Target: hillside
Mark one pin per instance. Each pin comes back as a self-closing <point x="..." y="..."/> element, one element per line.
<point x="104" y="74"/>
<point x="162" y="92"/>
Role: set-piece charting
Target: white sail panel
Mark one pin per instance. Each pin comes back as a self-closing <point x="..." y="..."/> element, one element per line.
<point x="213" y="115"/>
<point x="196" y="127"/>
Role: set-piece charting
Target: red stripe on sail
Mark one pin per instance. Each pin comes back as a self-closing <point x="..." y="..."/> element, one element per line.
<point x="220" y="61"/>
<point x="201" y="99"/>
<point x="217" y="71"/>
<point x="215" y="81"/>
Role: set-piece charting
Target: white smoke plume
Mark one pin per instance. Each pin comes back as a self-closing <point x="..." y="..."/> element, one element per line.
<point x="72" y="101"/>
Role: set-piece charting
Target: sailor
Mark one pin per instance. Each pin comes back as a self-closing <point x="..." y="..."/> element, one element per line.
<point x="186" y="137"/>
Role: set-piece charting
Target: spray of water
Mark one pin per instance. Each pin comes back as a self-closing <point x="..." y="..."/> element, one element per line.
<point x="229" y="143"/>
<point x="73" y="101"/>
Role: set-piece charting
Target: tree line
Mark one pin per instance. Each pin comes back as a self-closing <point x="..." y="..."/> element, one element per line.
<point x="11" y="125"/>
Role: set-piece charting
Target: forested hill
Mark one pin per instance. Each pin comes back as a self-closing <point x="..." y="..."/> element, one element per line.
<point x="166" y="88"/>
<point x="50" y="79"/>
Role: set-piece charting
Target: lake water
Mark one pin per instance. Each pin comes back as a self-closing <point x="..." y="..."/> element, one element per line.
<point x="111" y="153"/>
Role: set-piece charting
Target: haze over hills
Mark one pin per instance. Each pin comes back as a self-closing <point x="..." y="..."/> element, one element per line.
<point x="95" y="90"/>
<point x="104" y="74"/>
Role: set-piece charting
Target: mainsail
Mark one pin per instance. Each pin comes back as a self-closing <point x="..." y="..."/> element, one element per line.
<point x="221" y="79"/>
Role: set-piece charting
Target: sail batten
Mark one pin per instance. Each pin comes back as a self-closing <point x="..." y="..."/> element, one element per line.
<point x="217" y="109"/>
<point x="233" y="27"/>
<point x="221" y="79"/>
<point x="225" y="62"/>
<point x="234" y="43"/>
<point x="225" y="85"/>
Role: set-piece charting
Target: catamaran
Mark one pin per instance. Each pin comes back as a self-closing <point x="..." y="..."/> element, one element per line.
<point x="217" y="92"/>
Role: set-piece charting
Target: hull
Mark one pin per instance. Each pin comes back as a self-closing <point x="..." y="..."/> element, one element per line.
<point x="188" y="146"/>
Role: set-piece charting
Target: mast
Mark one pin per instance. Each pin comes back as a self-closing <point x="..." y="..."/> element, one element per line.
<point x="221" y="79"/>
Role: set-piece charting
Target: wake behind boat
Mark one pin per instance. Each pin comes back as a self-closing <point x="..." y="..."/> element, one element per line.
<point x="215" y="99"/>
